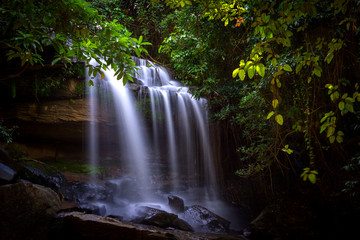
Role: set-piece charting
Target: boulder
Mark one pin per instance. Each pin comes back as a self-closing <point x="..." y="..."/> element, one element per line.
<point x="203" y="220"/>
<point x="40" y="173"/>
<point x="6" y="173"/>
<point x="160" y="218"/>
<point x="176" y="204"/>
<point x="85" y="193"/>
<point x="26" y="211"/>
<point x="124" y="188"/>
<point x="77" y="225"/>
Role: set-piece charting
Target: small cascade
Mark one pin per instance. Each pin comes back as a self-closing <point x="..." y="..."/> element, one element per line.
<point x="153" y="137"/>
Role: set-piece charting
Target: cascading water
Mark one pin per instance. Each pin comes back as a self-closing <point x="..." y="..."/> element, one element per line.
<point x="156" y="134"/>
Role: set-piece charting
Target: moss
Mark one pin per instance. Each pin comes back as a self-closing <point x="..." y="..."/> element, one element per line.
<point x="75" y="167"/>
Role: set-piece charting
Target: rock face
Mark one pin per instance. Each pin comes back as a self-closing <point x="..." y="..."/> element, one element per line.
<point x="204" y="220"/>
<point x="82" y="226"/>
<point x="42" y="174"/>
<point x="26" y="211"/>
<point x="87" y="226"/>
<point x="176" y="204"/>
<point x="159" y="218"/>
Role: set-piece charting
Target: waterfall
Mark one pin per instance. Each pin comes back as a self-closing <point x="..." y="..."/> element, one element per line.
<point x="152" y="131"/>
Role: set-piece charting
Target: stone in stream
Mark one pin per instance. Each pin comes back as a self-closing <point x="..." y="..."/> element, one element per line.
<point x="160" y="218"/>
<point x="204" y="220"/>
<point x="176" y="204"/>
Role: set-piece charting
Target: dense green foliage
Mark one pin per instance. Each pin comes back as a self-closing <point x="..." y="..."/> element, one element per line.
<point x="294" y="84"/>
<point x="285" y="72"/>
<point x="68" y="29"/>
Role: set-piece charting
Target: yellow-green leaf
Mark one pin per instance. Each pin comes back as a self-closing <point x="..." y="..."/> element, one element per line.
<point x="349" y="107"/>
<point x="329" y="57"/>
<point x="275" y="103"/>
<point x="287" y="68"/>
<point x="260" y="69"/>
<point x="330" y="131"/>
<point x="312" y="178"/>
<point x="278" y="83"/>
<point x="235" y="72"/>
<point x="274" y="62"/>
<point x="279" y="119"/>
<point x="339" y="139"/>
<point x="242" y="74"/>
<point x="242" y="64"/>
<point x="251" y="71"/>
<point x="332" y="139"/>
<point x="270" y="114"/>
<point x="341" y="105"/>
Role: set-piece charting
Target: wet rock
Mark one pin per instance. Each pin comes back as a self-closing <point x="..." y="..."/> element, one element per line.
<point x="6" y="174"/>
<point x="204" y="220"/>
<point x="88" y="226"/>
<point x="85" y="193"/>
<point x="124" y="189"/>
<point x="160" y="218"/>
<point x="26" y="211"/>
<point x="42" y="174"/>
<point x="176" y="204"/>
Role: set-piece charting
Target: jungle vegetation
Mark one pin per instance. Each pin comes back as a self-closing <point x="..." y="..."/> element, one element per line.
<point x="286" y="73"/>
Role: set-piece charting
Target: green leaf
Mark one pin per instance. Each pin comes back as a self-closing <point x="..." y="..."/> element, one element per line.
<point x="332" y="139"/>
<point x="341" y="105"/>
<point x="91" y="83"/>
<point x="278" y="83"/>
<point x="242" y="64"/>
<point x="275" y="103"/>
<point x="317" y="72"/>
<point x="330" y="131"/>
<point x="323" y="127"/>
<point x="260" y="69"/>
<point x="349" y="107"/>
<point x="55" y="61"/>
<point x="339" y="139"/>
<point x="274" y="62"/>
<point x="287" y="68"/>
<point x="242" y="74"/>
<point x="270" y="114"/>
<point x="251" y="71"/>
<point x="279" y="119"/>
<point x="329" y="57"/>
<point x="235" y="72"/>
<point x="312" y="178"/>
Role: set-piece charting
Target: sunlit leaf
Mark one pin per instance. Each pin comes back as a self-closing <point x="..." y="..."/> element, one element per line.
<point x="279" y="119"/>
<point x="260" y="69"/>
<point x="275" y="103"/>
<point x="242" y="74"/>
<point x="287" y="68"/>
<point x="270" y="115"/>
<point x="102" y="75"/>
<point x="235" y="72"/>
<point x="251" y="71"/>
